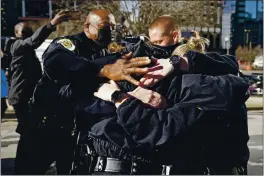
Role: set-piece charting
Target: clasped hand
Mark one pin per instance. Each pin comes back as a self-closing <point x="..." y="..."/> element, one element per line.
<point x="148" y="97"/>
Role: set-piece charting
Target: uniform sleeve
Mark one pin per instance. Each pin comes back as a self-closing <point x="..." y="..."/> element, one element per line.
<point x="211" y="63"/>
<point x="200" y="94"/>
<point x="62" y="65"/>
<point x="39" y="36"/>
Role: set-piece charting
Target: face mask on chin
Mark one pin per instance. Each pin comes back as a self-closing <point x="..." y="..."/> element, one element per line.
<point x="104" y="37"/>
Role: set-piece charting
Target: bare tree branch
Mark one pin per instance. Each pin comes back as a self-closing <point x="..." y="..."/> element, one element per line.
<point x="139" y="14"/>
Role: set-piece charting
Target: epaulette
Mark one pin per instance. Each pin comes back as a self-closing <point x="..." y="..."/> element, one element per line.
<point x="66" y="43"/>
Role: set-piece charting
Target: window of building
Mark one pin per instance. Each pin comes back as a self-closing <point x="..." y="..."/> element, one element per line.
<point x="260" y="6"/>
<point x="241" y="9"/>
<point x="211" y="20"/>
<point x="251" y="8"/>
<point x="241" y="15"/>
<point x="37" y="8"/>
<point x="241" y="3"/>
<point x="241" y="21"/>
<point x="205" y="11"/>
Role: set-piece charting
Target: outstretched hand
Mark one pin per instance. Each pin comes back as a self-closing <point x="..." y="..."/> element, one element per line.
<point x="162" y="68"/>
<point x="60" y="17"/>
<point x="124" y="67"/>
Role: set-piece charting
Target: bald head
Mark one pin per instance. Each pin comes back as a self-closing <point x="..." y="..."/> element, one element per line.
<point x="23" y="30"/>
<point x="18" y="26"/>
<point x="166" y="24"/>
<point x="98" y="16"/>
<point x="164" y="30"/>
<point x="98" y="26"/>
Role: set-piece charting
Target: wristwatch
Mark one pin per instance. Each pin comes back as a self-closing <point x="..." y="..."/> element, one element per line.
<point x="117" y="96"/>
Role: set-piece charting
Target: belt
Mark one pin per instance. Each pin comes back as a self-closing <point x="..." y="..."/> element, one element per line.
<point x="236" y="170"/>
<point x="105" y="164"/>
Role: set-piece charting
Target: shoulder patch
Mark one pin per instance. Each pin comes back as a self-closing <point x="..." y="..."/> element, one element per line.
<point x="67" y="43"/>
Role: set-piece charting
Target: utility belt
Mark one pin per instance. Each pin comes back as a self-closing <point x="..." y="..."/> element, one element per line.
<point x="91" y="163"/>
<point x="127" y="167"/>
<point x="87" y="162"/>
<point x="236" y="170"/>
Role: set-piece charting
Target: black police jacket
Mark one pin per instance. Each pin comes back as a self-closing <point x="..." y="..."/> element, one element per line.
<point x="69" y="61"/>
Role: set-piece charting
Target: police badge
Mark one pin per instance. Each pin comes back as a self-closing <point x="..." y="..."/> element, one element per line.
<point x="67" y="43"/>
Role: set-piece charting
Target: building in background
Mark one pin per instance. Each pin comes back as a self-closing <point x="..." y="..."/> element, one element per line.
<point x="39" y="12"/>
<point x="212" y="23"/>
<point x="247" y="24"/>
<point x="229" y="8"/>
<point x="9" y="16"/>
<point x="14" y="11"/>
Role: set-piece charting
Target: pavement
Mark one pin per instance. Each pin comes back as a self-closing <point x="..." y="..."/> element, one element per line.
<point x="255" y="129"/>
<point x="249" y="72"/>
<point x="9" y="139"/>
<point x="255" y="103"/>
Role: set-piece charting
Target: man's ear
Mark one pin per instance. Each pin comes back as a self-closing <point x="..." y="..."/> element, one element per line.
<point x="86" y="27"/>
<point x="175" y="35"/>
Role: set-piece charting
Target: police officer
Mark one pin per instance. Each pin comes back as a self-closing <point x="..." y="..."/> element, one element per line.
<point x="110" y="147"/>
<point x="225" y="150"/>
<point x="74" y="65"/>
<point x="25" y="71"/>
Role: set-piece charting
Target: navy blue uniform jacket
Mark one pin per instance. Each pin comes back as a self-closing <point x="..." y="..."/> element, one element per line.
<point x="140" y="129"/>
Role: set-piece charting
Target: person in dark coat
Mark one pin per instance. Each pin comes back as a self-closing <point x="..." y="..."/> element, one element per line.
<point x="225" y="149"/>
<point x="25" y="70"/>
<point x="79" y="62"/>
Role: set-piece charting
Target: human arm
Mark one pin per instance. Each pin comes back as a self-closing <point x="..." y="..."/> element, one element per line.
<point x="193" y="62"/>
<point x="199" y="95"/>
<point x="62" y="64"/>
<point x="40" y="35"/>
<point x="148" y="97"/>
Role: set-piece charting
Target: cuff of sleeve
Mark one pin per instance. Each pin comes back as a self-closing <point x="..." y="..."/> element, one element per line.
<point x="52" y="27"/>
<point x="125" y="103"/>
<point x="100" y="63"/>
<point x="175" y="61"/>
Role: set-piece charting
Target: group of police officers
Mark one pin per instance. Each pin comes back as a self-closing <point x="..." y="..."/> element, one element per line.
<point x="159" y="113"/>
